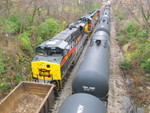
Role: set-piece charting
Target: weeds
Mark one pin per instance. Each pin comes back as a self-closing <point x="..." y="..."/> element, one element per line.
<point x="122" y="39"/>
<point x="126" y="65"/>
<point x="120" y="15"/>
<point x="3" y="84"/>
<point x="48" y="28"/>
<point x="131" y="29"/>
<point x="137" y="60"/>
<point x="25" y="42"/>
<point x="15" y="23"/>
<point x="2" y="65"/>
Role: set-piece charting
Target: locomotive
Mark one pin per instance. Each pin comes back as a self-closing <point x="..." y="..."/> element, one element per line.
<point x="90" y="85"/>
<point x="91" y="19"/>
<point x="54" y="57"/>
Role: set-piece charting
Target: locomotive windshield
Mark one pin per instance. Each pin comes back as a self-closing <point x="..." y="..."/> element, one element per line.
<point x="49" y="51"/>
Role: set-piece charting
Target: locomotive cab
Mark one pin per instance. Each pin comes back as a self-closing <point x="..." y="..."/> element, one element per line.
<point x="49" y="62"/>
<point x="49" y="51"/>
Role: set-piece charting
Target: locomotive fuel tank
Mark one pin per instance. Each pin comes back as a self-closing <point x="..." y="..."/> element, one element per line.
<point x="82" y="103"/>
<point x="93" y="73"/>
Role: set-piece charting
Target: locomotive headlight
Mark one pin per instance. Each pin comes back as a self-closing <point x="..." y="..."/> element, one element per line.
<point x="48" y="66"/>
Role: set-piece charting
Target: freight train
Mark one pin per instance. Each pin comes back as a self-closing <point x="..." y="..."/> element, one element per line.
<point x="54" y="57"/>
<point x="90" y="85"/>
<point x="52" y="62"/>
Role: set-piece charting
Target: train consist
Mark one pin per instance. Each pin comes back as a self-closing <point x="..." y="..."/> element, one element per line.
<point x="55" y="56"/>
<point x="90" y="85"/>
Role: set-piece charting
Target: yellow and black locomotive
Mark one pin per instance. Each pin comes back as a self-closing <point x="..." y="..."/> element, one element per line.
<point x="55" y="56"/>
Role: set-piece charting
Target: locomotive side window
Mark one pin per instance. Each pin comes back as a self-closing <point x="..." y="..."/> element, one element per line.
<point x="40" y="51"/>
<point x="54" y="52"/>
<point x="49" y="51"/>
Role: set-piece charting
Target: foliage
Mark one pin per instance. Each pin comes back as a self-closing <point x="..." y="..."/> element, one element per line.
<point x="18" y="78"/>
<point x="132" y="55"/>
<point x="122" y="39"/>
<point x="132" y="32"/>
<point x="131" y="29"/>
<point x="141" y="52"/>
<point x="3" y="84"/>
<point x="137" y="35"/>
<point x="48" y="28"/>
<point x="125" y="65"/>
<point x="39" y="40"/>
<point x="93" y="6"/>
<point x="2" y="65"/>
<point x="145" y="55"/>
<point x="16" y="18"/>
<point x="142" y="33"/>
<point x="25" y="42"/>
<point x="8" y="26"/>
<point x="15" y="23"/>
<point x="45" y="30"/>
<point x="120" y="15"/>
<point x="145" y="64"/>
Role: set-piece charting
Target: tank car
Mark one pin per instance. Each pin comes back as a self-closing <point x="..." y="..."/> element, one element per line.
<point x="93" y="73"/>
<point x="106" y="14"/>
<point x="104" y="25"/>
<point x="107" y="8"/>
<point x="82" y="103"/>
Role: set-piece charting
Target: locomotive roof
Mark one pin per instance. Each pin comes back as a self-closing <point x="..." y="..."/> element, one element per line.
<point x="62" y="39"/>
<point x="59" y="40"/>
<point x="54" y="43"/>
<point x="77" y="24"/>
<point x="65" y="34"/>
<point x="86" y="18"/>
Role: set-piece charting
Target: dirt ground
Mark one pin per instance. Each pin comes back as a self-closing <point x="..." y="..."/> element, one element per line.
<point x="27" y="103"/>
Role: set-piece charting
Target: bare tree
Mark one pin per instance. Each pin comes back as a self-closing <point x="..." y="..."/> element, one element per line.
<point x="140" y="10"/>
